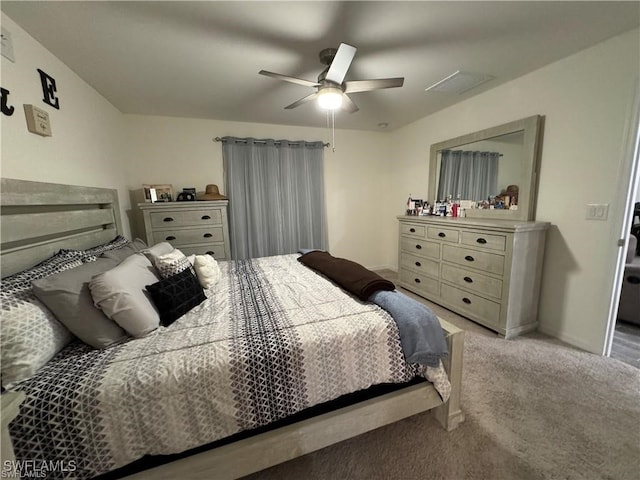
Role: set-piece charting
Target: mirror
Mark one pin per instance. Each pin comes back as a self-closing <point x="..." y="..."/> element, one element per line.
<point x="495" y="168"/>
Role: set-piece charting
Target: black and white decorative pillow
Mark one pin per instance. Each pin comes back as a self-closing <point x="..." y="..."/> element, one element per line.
<point x="30" y="334"/>
<point x="176" y="295"/>
<point x="91" y="254"/>
<point x="172" y="263"/>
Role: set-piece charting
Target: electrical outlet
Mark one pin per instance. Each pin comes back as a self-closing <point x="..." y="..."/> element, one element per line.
<point x="597" y="211"/>
<point x="7" y="45"/>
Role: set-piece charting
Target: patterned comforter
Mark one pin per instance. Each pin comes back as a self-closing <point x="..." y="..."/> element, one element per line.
<point x="272" y="339"/>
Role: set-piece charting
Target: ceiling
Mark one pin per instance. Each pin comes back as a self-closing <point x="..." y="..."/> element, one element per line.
<point x="201" y="59"/>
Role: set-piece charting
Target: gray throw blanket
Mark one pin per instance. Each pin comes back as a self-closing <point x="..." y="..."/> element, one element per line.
<point x="421" y="335"/>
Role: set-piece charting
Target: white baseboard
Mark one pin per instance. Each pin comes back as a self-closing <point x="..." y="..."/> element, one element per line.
<point x="568" y="338"/>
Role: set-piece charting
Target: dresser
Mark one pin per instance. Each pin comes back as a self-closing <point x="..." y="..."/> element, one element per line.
<point x="198" y="227"/>
<point x="486" y="270"/>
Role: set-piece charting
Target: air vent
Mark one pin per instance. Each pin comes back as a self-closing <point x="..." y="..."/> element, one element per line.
<point x="459" y="82"/>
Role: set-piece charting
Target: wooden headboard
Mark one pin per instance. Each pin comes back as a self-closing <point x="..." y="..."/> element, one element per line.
<point x="38" y="219"/>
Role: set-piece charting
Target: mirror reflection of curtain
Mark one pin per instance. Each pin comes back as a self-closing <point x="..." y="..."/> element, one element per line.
<point x="276" y="196"/>
<point x="471" y="175"/>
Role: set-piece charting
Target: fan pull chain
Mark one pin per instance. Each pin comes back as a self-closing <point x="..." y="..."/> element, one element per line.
<point x="333" y="131"/>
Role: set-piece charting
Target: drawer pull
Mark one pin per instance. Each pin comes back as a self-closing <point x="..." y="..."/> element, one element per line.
<point x="442" y="234"/>
<point x="167" y="219"/>
<point x="206" y="217"/>
<point x="418" y="264"/>
<point x="207" y="235"/>
<point x="468" y="279"/>
<point x="210" y="252"/>
<point x="466" y="300"/>
<point x="417" y="280"/>
<point x="170" y="237"/>
<point x="419" y="247"/>
<point x="481" y="241"/>
<point x="469" y="258"/>
<point x="412" y="230"/>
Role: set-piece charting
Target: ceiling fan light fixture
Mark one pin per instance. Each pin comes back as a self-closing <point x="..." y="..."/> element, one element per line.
<point x="330" y="98"/>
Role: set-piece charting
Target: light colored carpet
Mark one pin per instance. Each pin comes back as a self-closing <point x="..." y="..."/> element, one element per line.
<point x="535" y="409"/>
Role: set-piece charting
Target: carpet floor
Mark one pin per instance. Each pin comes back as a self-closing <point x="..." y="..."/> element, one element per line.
<point x="535" y="409"/>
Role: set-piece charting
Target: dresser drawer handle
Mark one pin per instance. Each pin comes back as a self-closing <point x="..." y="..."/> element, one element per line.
<point x="412" y="230"/>
<point x="206" y="217"/>
<point x="469" y="258"/>
<point x="417" y="280"/>
<point x="207" y="235"/>
<point x="418" y="264"/>
<point x="167" y="219"/>
<point x="442" y="234"/>
<point x="419" y="247"/>
<point x="466" y="300"/>
<point x="210" y="252"/>
<point x="468" y="279"/>
<point x="481" y="241"/>
<point x="170" y="237"/>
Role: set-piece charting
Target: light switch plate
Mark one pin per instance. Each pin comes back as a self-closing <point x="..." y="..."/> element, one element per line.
<point x="597" y="211"/>
<point x="7" y="45"/>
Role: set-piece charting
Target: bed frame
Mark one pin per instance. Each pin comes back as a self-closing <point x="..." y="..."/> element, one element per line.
<point x="37" y="219"/>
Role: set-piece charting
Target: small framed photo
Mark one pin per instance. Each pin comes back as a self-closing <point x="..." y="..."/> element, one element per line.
<point x="158" y="193"/>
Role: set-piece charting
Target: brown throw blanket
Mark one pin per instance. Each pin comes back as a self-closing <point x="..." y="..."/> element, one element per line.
<point x="349" y="275"/>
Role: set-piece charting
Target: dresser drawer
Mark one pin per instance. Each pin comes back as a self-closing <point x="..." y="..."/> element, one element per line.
<point x="419" y="264"/>
<point x="215" y="249"/>
<point x="471" y="280"/>
<point x="482" y="240"/>
<point x="421" y="248"/>
<point x="413" y="230"/>
<point x="212" y="216"/>
<point x="489" y="262"/>
<point x="420" y="282"/>
<point x="189" y="235"/>
<point x="444" y="234"/>
<point x="481" y="308"/>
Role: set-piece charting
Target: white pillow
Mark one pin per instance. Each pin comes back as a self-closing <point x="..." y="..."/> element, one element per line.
<point x="120" y="293"/>
<point x="207" y="270"/>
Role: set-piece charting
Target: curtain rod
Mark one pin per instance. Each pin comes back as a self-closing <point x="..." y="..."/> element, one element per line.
<point x="218" y="139"/>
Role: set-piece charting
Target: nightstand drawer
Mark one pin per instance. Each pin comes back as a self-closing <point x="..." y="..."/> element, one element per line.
<point x="420" y="282"/>
<point x="413" y="230"/>
<point x="470" y="280"/>
<point x="215" y="249"/>
<point x="419" y="264"/>
<point x="212" y="216"/>
<point x="443" y="234"/>
<point x="479" y="307"/>
<point x="482" y="240"/>
<point x="489" y="262"/>
<point x="189" y="235"/>
<point x="421" y="248"/>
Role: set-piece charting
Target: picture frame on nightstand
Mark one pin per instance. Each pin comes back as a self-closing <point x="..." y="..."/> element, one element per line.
<point x="163" y="193"/>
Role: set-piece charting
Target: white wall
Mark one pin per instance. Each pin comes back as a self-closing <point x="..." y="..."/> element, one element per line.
<point x="181" y="152"/>
<point x="85" y="148"/>
<point x="587" y="100"/>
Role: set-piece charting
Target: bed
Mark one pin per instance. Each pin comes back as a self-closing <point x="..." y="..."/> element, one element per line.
<point x="213" y="359"/>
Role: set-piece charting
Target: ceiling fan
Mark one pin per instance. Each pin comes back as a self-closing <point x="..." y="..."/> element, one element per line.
<point x="331" y="89"/>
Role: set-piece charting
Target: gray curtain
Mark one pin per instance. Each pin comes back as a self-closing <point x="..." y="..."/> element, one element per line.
<point x="471" y="175"/>
<point x="276" y="196"/>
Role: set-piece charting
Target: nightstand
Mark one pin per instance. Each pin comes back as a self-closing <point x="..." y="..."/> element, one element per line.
<point x="10" y="408"/>
<point x="198" y="227"/>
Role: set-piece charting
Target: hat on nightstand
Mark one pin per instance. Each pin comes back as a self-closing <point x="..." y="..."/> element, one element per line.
<point x="211" y="193"/>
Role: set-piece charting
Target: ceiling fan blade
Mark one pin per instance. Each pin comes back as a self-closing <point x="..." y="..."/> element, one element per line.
<point x="340" y="64"/>
<point x="366" y="85"/>
<point x="306" y="99"/>
<point x="348" y="105"/>
<point x="287" y="78"/>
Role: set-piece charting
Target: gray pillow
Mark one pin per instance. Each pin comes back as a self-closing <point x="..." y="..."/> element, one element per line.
<point x="120" y="293"/>
<point x="67" y="295"/>
<point x="125" y="251"/>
